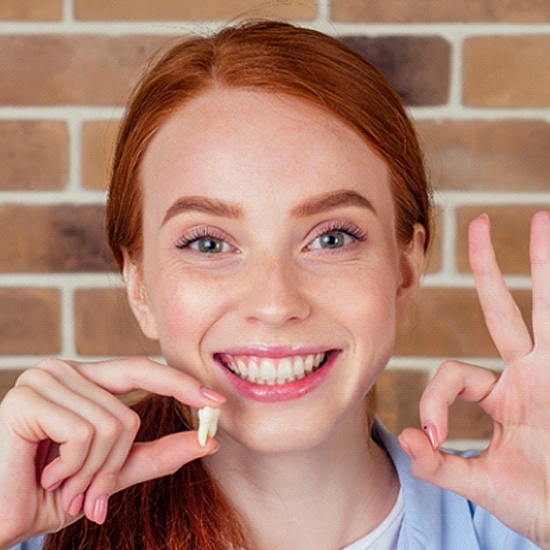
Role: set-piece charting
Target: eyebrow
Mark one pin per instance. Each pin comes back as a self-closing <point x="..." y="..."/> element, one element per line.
<point x="202" y="204"/>
<point x="328" y="201"/>
<point x="311" y="207"/>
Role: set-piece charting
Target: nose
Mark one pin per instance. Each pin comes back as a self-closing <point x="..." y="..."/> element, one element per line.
<point x="273" y="293"/>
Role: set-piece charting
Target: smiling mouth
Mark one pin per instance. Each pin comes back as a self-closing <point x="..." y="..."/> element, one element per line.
<point x="270" y="371"/>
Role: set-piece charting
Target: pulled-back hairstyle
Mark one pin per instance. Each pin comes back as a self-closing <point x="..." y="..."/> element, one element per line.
<point x="277" y="58"/>
<point x="187" y="510"/>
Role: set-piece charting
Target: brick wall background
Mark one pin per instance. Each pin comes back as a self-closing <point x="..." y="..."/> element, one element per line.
<point x="476" y="75"/>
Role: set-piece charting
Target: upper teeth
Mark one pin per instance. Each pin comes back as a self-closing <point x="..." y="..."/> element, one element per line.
<point x="263" y="370"/>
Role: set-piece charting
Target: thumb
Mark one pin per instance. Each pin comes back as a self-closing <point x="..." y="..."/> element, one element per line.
<point x="461" y="475"/>
<point x="162" y="457"/>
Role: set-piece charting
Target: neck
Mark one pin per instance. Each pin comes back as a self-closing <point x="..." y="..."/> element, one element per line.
<point x="325" y="497"/>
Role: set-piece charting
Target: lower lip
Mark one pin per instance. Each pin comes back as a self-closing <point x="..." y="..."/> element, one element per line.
<point x="283" y="392"/>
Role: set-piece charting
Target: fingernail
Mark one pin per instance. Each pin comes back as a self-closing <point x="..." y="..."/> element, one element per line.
<point x="54" y="486"/>
<point x="100" y="510"/>
<point x="431" y="432"/>
<point x="75" y="507"/>
<point x="212" y="394"/>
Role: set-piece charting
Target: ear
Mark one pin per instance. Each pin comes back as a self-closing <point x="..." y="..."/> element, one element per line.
<point x="137" y="296"/>
<point x="412" y="266"/>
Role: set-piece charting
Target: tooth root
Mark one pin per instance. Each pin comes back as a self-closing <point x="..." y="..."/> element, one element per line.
<point x="203" y="434"/>
<point x="208" y="423"/>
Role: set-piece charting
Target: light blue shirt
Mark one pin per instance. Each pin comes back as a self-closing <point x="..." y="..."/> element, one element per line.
<point x="435" y="519"/>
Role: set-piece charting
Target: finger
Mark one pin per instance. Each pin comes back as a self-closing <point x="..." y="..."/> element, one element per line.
<point x="113" y="439"/>
<point x="106" y="424"/>
<point x="145" y="461"/>
<point x="162" y="457"/>
<point x="502" y="316"/>
<point x="464" y="476"/>
<point x="453" y="380"/>
<point x="111" y="429"/>
<point x="126" y="375"/>
<point x="35" y="419"/>
<point x="540" y="273"/>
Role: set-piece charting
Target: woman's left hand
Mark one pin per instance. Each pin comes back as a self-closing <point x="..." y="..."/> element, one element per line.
<point x="511" y="478"/>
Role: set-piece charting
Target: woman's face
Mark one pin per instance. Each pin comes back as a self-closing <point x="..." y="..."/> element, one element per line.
<point x="270" y="267"/>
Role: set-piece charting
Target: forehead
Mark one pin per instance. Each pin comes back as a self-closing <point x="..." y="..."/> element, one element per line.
<point x="231" y="143"/>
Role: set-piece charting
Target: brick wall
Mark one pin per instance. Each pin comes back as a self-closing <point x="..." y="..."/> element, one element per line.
<point x="476" y="75"/>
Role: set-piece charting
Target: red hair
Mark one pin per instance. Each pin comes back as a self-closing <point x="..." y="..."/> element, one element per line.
<point x="188" y="510"/>
<point x="277" y="58"/>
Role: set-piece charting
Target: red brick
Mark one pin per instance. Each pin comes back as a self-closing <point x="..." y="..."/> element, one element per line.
<point x="70" y="69"/>
<point x="398" y="11"/>
<point x="30" y="321"/>
<point x="176" y="9"/>
<point x="448" y="323"/>
<point x="510" y="235"/>
<point x="31" y="10"/>
<point x="397" y="395"/>
<point x="33" y="155"/>
<point x="502" y="155"/>
<point x="507" y="71"/>
<point x="418" y="67"/>
<point x="53" y="238"/>
<point x="98" y="143"/>
<point x="469" y="421"/>
<point x="434" y="256"/>
<point x="105" y="325"/>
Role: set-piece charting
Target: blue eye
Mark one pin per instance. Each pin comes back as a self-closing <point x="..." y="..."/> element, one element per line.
<point x="337" y="236"/>
<point x="209" y="245"/>
<point x="332" y="240"/>
<point x="204" y="241"/>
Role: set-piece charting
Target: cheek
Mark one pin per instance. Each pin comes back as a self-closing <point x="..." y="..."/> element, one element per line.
<point x="185" y="307"/>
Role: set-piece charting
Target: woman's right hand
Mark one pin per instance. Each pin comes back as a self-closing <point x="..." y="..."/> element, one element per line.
<point x="67" y="442"/>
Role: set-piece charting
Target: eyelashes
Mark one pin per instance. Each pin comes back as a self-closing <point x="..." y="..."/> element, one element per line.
<point x="204" y="239"/>
<point x="342" y="226"/>
<point x="328" y="236"/>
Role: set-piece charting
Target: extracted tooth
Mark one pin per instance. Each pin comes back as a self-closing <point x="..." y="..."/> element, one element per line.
<point x="208" y="423"/>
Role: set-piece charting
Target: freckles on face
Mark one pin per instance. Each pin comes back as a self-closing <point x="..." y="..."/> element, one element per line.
<point x="267" y="222"/>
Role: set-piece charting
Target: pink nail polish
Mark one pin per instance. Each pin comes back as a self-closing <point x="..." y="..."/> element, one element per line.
<point x="54" y="486"/>
<point x="100" y="510"/>
<point x="212" y="394"/>
<point x="431" y="432"/>
<point x="75" y="507"/>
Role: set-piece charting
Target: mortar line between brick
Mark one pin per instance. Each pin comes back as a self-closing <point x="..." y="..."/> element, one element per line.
<point x="75" y="154"/>
<point x="73" y="281"/>
<point x="449" y="198"/>
<point x="72" y="196"/>
<point x="61" y="112"/>
<point x="454" y="111"/>
<point x="431" y="363"/>
<point x="466" y="281"/>
<point x="68" y="330"/>
<point x="455" y="92"/>
<point x="68" y="11"/>
<point x="323" y="13"/>
<point x="448" y="229"/>
<point x="70" y="25"/>
<point x="467" y="444"/>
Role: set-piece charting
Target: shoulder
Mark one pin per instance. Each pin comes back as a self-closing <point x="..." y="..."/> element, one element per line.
<point x="436" y="518"/>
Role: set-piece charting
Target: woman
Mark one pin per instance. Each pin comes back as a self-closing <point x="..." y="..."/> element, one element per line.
<point x="270" y="212"/>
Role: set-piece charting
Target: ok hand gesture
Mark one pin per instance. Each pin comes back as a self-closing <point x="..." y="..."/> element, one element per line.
<point x="511" y="478"/>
